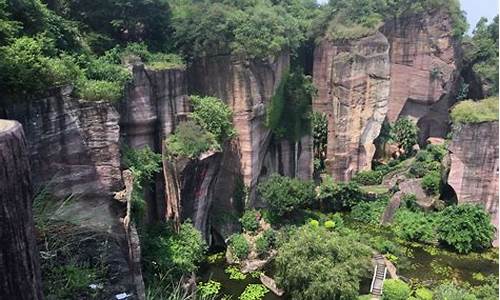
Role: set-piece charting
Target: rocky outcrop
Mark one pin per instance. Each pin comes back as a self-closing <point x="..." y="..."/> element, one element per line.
<point x="19" y="258"/>
<point x="352" y="79"/>
<point x="425" y="62"/>
<point x="247" y="87"/>
<point x="74" y="151"/>
<point x="474" y="166"/>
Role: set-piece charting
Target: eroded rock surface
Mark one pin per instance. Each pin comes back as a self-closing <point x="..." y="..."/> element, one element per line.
<point x="425" y="61"/>
<point x="352" y="79"/>
<point x="474" y="166"/>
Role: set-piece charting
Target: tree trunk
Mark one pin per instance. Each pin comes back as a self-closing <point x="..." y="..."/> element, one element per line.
<point x="19" y="265"/>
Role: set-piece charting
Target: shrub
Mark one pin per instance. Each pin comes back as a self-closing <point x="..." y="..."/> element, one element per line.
<point x="250" y="220"/>
<point x="421" y="168"/>
<point x="437" y="152"/>
<point x="261" y="245"/>
<point x="254" y="292"/>
<point x="368" y="212"/>
<point x="339" y="196"/>
<point x="214" y="116"/>
<point x="395" y="289"/>
<point x="99" y="90"/>
<point x="330" y="225"/>
<point x="414" y="226"/>
<point x="190" y="140"/>
<point x="174" y="254"/>
<point x="405" y="133"/>
<point x="163" y="61"/>
<point x="465" y="228"/>
<point x="447" y="291"/>
<point x="283" y="194"/>
<point x="271" y="237"/>
<point x="409" y="201"/>
<point x="315" y="263"/>
<point x="368" y="177"/>
<point x="314" y="223"/>
<point x="239" y="245"/>
<point x="470" y="111"/>
<point x="423" y="294"/>
<point x="431" y="182"/>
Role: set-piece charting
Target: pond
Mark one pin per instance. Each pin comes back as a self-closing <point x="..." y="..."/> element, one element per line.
<point x="216" y="271"/>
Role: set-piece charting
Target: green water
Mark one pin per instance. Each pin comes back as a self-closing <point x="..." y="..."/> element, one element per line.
<point x="231" y="287"/>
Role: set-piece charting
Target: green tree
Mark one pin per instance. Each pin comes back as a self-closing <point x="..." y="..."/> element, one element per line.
<point x="405" y="133"/>
<point x="250" y="220"/>
<point x="317" y="264"/>
<point x="338" y="196"/>
<point x="465" y="228"/>
<point x="214" y="116"/>
<point x="190" y="140"/>
<point x="283" y="195"/>
<point x="239" y="246"/>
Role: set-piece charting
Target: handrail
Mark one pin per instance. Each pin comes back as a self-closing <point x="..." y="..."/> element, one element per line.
<point x="374" y="278"/>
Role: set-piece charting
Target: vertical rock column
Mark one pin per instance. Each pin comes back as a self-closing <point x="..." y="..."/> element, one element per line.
<point x="19" y="266"/>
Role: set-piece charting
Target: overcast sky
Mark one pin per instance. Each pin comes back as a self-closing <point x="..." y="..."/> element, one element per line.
<point x="475" y="9"/>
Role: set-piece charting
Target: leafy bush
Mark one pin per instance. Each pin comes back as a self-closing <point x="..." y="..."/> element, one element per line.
<point x="250" y="220"/>
<point x="214" y="116"/>
<point x="239" y="245"/>
<point x="465" y="228"/>
<point x="330" y="225"/>
<point x="99" y="90"/>
<point x="174" y="254"/>
<point x="368" y="212"/>
<point x="368" y="177"/>
<point x="254" y="292"/>
<point x="414" y="226"/>
<point x="421" y="168"/>
<point x="338" y="196"/>
<point x="261" y="245"/>
<point x="423" y="294"/>
<point x="405" y="133"/>
<point x="315" y="263"/>
<point x="448" y="291"/>
<point x="190" y="140"/>
<point x="320" y="139"/>
<point x="271" y="237"/>
<point x="395" y="289"/>
<point x="283" y="194"/>
<point x="431" y="182"/>
<point x="470" y="111"/>
<point x="409" y="201"/>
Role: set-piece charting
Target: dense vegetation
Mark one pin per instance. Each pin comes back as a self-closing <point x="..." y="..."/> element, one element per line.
<point x="470" y="111"/>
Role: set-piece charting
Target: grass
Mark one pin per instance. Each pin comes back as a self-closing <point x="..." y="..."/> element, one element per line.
<point x="375" y="189"/>
<point x="469" y="111"/>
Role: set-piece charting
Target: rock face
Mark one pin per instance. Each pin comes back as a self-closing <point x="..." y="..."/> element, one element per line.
<point x="474" y="166"/>
<point x="154" y="104"/>
<point x="19" y="257"/>
<point x="247" y="87"/>
<point x="425" y="60"/>
<point x="352" y="79"/>
<point x="74" y="152"/>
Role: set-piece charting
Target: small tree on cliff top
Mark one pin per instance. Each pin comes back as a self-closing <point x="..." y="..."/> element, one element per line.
<point x="405" y="133"/>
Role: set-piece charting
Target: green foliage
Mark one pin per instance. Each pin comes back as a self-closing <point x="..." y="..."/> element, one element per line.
<point x="314" y="223"/>
<point x="320" y="138"/>
<point x="190" y="140"/>
<point x="465" y="228"/>
<point x="99" y="90"/>
<point x="283" y="195"/>
<point x="423" y="294"/>
<point x="166" y="252"/>
<point x="395" y="289"/>
<point x="289" y="112"/>
<point x="315" y="263"/>
<point x="470" y="111"/>
<point x="255" y="29"/>
<point x="368" y="177"/>
<point x="405" y="133"/>
<point x="261" y="245"/>
<point x="409" y="201"/>
<point x="338" y="196"/>
<point x="70" y="280"/>
<point x="239" y="246"/>
<point x="234" y="273"/>
<point x="254" y="292"/>
<point x="208" y="289"/>
<point x="330" y="225"/>
<point x="271" y="237"/>
<point x="214" y="116"/>
<point x="414" y="226"/>
<point x="368" y="212"/>
<point x="431" y="182"/>
<point x="481" y="53"/>
<point x="250" y="220"/>
<point x="421" y="168"/>
<point x="448" y="291"/>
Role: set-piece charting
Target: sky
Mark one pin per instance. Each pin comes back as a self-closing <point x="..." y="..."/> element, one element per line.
<point x="475" y="9"/>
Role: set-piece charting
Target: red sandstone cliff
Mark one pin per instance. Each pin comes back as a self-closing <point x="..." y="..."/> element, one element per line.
<point x="425" y="63"/>
<point x="474" y="166"/>
<point x="352" y="79"/>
